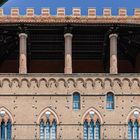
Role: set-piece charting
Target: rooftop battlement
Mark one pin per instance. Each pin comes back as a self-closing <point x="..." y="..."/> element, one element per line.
<point x="75" y="17"/>
<point x="76" y="12"/>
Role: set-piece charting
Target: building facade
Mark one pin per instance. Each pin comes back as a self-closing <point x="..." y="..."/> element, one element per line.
<point x="70" y="77"/>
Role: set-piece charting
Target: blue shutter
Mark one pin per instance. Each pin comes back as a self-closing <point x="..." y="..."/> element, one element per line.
<point x="136" y="130"/>
<point x="2" y="130"/>
<point x="91" y="130"/>
<point x="76" y="101"/>
<point x="130" y="130"/>
<point x="53" y="130"/>
<point x="97" y="130"/>
<point x="85" y="130"/>
<point x="41" y="130"/>
<point x="9" y="129"/>
<point x="110" y="101"/>
<point x="47" y="130"/>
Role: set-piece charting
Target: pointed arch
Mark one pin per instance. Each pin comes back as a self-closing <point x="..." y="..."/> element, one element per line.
<point x="96" y="112"/>
<point x="133" y="123"/>
<point x="8" y="112"/>
<point x="131" y="112"/>
<point x="91" y="121"/>
<point x="48" y="122"/>
<point x="45" y="110"/>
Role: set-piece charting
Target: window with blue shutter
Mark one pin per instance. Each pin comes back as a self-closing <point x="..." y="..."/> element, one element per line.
<point x="110" y="101"/>
<point x="76" y="101"/>
<point x="48" y="127"/>
<point x="130" y="130"/>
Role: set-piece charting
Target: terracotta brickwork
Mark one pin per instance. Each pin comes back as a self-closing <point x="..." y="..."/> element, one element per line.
<point x="26" y="97"/>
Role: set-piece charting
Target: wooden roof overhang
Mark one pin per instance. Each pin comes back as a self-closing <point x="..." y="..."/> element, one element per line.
<point x="90" y="37"/>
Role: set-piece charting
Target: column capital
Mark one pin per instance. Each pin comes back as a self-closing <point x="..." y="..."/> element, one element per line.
<point x="68" y="35"/>
<point x="23" y="35"/>
<point x="68" y="29"/>
<point x="113" y="35"/>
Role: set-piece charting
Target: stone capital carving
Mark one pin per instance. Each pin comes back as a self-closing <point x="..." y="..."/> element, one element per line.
<point x="68" y="35"/>
<point x="113" y="35"/>
<point x="23" y="35"/>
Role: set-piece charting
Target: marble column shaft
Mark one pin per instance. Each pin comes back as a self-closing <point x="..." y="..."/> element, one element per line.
<point x="113" y="54"/>
<point x="68" y="53"/>
<point x="23" y="55"/>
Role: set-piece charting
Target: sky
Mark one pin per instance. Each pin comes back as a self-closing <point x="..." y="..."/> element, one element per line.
<point x="68" y="4"/>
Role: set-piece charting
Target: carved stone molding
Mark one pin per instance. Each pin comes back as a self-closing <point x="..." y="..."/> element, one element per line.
<point x="67" y="82"/>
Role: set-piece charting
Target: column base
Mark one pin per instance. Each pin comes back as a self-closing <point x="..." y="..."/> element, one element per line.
<point x="22" y="71"/>
<point x="68" y="70"/>
<point x="113" y="71"/>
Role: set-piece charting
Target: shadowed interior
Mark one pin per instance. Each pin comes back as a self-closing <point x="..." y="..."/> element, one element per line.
<point x="90" y="47"/>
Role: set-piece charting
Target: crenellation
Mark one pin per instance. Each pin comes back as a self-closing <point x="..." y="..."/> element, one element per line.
<point x="76" y="12"/>
<point x="122" y="12"/>
<point x="1" y="12"/>
<point x="30" y="12"/>
<point x="91" y="12"/>
<point x="14" y="12"/>
<point x="45" y="12"/>
<point x="60" y="12"/>
<point x="107" y="12"/>
<point x="137" y="12"/>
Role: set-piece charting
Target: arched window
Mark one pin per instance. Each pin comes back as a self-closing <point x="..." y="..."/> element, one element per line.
<point x="41" y="130"/>
<point x="97" y="130"/>
<point x="133" y="126"/>
<point x="76" y="101"/>
<point x="91" y="127"/>
<point x="3" y="130"/>
<point x="85" y="130"/>
<point x="9" y="126"/>
<point x="91" y="130"/>
<point x="5" y="126"/>
<point x="136" y="130"/>
<point x="48" y="126"/>
<point x="110" y="101"/>
<point x="130" y="130"/>
<point x="53" y="130"/>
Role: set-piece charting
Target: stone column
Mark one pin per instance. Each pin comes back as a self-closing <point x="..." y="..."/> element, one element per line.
<point x="113" y="54"/>
<point x="23" y="56"/>
<point x="68" y="53"/>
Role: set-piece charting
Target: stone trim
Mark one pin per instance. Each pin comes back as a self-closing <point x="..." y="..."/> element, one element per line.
<point x="55" y="81"/>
